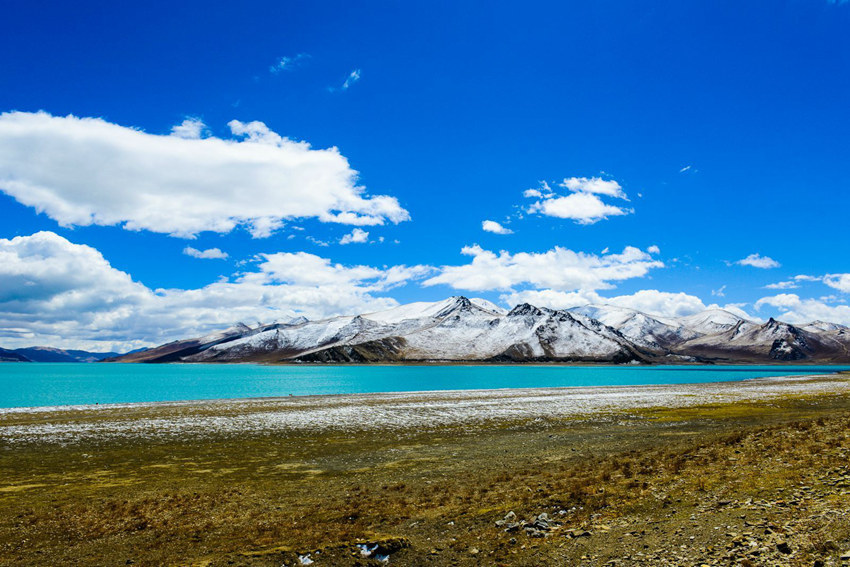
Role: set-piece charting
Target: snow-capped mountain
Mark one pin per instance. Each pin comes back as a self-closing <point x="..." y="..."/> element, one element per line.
<point x="824" y="327"/>
<point x="462" y="330"/>
<point x="457" y="328"/>
<point x="747" y="341"/>
<point x="712" y="321"/>
<point x="648" y="331"/>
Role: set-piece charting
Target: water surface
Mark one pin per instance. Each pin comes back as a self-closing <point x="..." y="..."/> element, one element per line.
<point x="30" y="384"/>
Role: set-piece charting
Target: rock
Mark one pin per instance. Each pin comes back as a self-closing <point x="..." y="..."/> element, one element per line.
<point x="542" y="522"/>
<point x="512" y="527"/>
<point x="531" y="531"/>
<point x="510" y="518"/>
<point x="783" y="547"/>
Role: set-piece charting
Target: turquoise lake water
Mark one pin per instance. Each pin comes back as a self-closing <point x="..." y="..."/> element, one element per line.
<point x="30" y="384"/>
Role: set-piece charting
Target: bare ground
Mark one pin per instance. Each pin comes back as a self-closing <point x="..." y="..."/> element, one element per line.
<point x="753" y="473"/>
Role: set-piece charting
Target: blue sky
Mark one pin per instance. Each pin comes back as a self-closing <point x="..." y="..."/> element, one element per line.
<point x="713" y="131"/>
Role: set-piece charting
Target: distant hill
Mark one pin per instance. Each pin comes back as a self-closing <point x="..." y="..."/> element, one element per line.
<point x="49" y="354"/>
<point x="12" y="356"/>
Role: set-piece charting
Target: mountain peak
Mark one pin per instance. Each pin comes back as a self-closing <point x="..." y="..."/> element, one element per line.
<point x="524" y="309"/>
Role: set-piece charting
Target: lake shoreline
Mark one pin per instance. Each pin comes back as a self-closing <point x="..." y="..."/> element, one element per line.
<point x="391" y="410"/>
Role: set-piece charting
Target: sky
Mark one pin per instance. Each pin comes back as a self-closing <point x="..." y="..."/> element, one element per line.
<point x="168" y="169"/>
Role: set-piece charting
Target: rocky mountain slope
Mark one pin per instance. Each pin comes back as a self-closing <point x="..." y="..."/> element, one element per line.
<point x="459" y="329"/>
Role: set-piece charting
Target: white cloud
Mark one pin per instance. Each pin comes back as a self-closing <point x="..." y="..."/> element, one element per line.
<point x="789" y="284"/>
<point x="353" y="77"/>
<point x="841" y="282"/>
<point x="87" y="171"/>
<point x="660" y="303"/>
<point x="594" y="185"/>
<point x="209" y="253"/>
<point x="583" y="208"/>
<point x="758" y="261"/>
<point x="560" y="269"/>
<point x="358" y="235"/>
<point x="583" y="204"/>
<point x="67" y="295"/>
<point x="650" y="301"/>
<point x="288" y="63"/>
<point x="684" y="169"/>
<point x="795" y="310"/>
<point x="494" y="227"/>
<point x="190" y="129"/>
<point x="720" y="292"/>
<point x="654" y="249"/>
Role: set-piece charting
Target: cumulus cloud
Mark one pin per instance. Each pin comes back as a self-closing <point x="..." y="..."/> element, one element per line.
<point x="650" y="301"/>
<point x="53" y="291"/>
<point x="758" y="261"/>
<point x="560" y="269"/>
<point x="793" y="309"/>
<point x="358" y="235"/>
<point x="87" y="171"/>
<point x="583" y="204"/>
<point x="594" y="185"/>
<point x="494" y="227"/>
<point x="190" y="129"/>
<point x="208" y="254"/>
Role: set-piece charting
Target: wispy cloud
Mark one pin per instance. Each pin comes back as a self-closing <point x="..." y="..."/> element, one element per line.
<point x="684" y="169"/>
<point x="353" y="77"/>
<point x="288" y="63"/>
<point x="789" y="284"/>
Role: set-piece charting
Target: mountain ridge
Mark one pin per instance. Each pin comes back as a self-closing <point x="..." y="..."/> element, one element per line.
<point x="464" y="330"/>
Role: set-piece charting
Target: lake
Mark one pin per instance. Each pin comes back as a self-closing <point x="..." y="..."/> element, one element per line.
<point x="34" y="384"/>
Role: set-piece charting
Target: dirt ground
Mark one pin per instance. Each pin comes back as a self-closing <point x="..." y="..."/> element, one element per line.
<point x="750" y="482"/>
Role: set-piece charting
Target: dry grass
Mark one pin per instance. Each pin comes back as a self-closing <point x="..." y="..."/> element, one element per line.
<point x="433" y="498"/>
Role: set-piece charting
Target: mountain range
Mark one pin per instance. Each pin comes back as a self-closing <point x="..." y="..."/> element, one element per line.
<point x="459" y="329"/>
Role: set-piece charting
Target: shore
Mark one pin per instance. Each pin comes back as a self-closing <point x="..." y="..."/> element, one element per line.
<point x="725" y="473"/>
